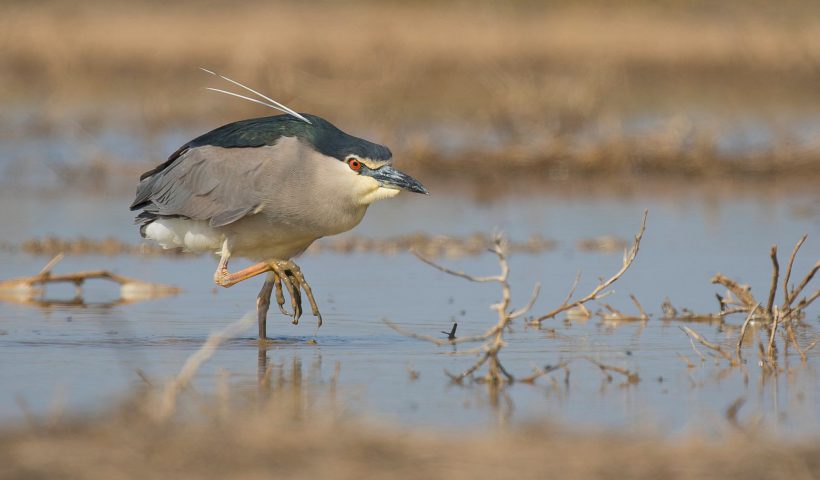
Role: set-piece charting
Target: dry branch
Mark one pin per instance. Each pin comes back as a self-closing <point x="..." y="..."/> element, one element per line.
<point x="739" y="299"/>
<point x="643" y="316"/>
<point x="25" y="289"/>
<point x="493" y="338"/>
<point x="786" y="298"/>
<point x="596" y="293"/>
<point x="775" y="277"/>
<point x="741" y="292"/>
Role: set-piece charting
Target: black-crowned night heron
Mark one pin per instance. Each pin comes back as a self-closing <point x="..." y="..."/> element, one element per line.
<point x="265" y="189"/>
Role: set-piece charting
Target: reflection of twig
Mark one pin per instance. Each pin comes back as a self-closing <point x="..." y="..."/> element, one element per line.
<point x="540" y="372"/>
<point x="708" y="344"/>
<point x="731" y="411"/>
<point x="596" y="293"/>
<point x="631" y="376"/>
<point x="168" y="399"/>
<point x="743" y="332"/>
<point x="686" y="359"/>
<point x="695" y="349"/>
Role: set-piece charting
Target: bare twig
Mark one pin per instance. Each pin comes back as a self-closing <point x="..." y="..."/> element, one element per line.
<point x="50" y="265"/>
<point x="595" y="294"/>
<point x="472" y="278"/>
<point x="493" y="338"/>
<point x="787" y="300"/>
<point x="526" y="308"/>
<point x="459" y="377"/>
<point x="775" y="277"/>
<point x="797" y="290"/>
<point x="644" y="316"/>
<point x="742" y="292"/>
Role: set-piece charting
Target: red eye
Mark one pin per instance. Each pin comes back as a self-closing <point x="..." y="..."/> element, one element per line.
<point x="354" y="164"/>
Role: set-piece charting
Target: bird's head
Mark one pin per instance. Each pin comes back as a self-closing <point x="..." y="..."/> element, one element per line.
<point x="369" y="164"/>
<point x="375" y="177"/>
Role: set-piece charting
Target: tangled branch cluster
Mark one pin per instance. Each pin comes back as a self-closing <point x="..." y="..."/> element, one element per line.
<point x="783" y="318"/>
<point x="493" y="338"/>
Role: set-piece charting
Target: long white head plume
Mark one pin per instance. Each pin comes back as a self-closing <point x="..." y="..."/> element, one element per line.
<point x="273" y="103"/>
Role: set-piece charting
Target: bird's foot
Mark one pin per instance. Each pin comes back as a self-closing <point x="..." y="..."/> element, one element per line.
<point x="221" y="277"/>
<point x="288" y="274"/>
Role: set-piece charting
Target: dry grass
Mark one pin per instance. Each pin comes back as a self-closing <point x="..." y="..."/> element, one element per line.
<point x="275" y="441"/>
<point x="433" y="246"/>
<point x="550" y="86"/>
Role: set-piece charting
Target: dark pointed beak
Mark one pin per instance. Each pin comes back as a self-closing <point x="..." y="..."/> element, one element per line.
<point x="389" y="177"/>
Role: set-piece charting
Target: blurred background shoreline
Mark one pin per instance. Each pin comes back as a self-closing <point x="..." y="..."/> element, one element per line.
<point x="554" y="90"/>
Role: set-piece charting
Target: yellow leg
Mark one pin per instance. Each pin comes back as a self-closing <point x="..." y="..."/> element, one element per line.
<point x="284" y="273"/>
<point x="225" y="279"/>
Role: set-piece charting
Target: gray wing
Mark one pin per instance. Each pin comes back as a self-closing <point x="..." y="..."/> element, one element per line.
<point x="203" y="183"/>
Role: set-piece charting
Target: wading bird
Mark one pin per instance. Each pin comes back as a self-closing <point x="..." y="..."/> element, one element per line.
<point x="265" y="189"/>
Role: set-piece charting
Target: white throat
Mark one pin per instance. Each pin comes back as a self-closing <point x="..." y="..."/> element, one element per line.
<point x="379" y="193"/>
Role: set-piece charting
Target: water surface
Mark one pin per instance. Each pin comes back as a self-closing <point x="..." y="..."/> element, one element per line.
<point x="82" y="358"/>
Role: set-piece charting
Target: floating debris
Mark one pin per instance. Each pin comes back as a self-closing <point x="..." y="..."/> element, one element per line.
<point x="29" y="290"/>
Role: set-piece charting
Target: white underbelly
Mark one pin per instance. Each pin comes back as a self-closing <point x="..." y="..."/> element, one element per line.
<point x="189" y="235"/>
<point x="250" y="238"/>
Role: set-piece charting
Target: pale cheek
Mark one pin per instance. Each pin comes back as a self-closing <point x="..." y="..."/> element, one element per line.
<point x="379" y="194"/>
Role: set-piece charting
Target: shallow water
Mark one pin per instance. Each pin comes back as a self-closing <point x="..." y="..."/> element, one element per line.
<point x="80" y="358"/>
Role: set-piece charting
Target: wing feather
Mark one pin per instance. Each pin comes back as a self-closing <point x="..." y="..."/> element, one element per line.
<point x="203" y="183"/>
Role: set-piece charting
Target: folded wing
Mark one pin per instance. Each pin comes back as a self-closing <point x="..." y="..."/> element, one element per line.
<point x="200" y="184"/>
